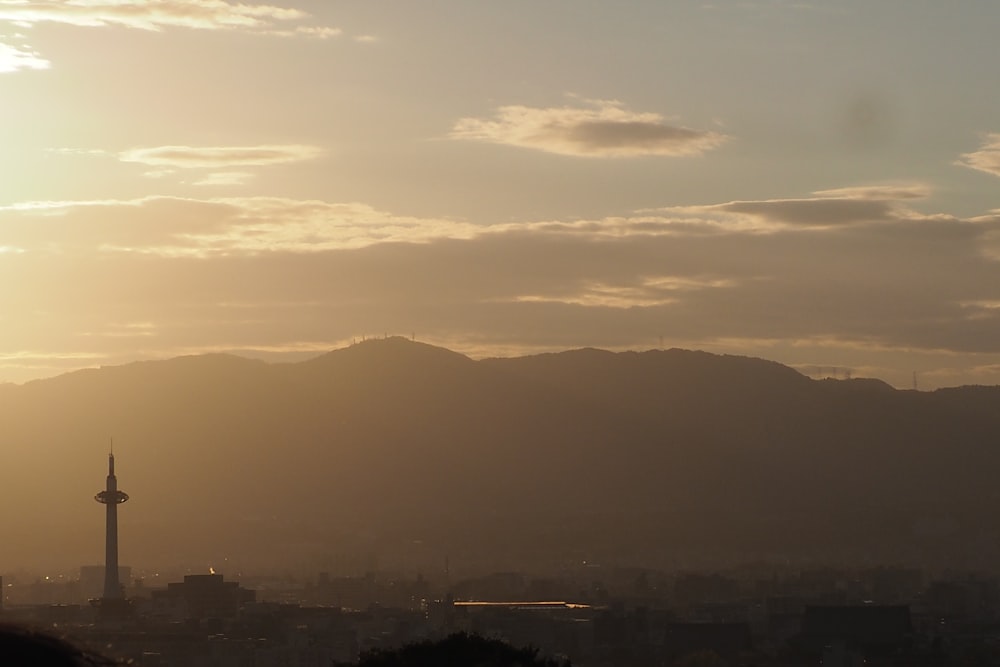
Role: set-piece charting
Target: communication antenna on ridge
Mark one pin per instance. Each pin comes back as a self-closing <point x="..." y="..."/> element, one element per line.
<point x="914" y="380"/>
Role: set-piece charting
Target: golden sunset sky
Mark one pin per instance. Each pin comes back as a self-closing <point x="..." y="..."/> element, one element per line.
<point x="816" y="183"/>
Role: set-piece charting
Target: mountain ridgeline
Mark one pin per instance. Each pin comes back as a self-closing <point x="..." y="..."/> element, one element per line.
<point x="410" y="453"/>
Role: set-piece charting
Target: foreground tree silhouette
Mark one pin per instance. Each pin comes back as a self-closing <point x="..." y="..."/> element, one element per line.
<point x="458" y="650"/>
<point x="26" y="647"/>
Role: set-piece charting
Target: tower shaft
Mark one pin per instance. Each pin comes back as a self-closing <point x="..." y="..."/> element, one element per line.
<point x="111" y="497"/>
<point x="112" y="587"/>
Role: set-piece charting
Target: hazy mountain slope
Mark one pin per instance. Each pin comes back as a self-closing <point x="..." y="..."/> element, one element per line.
<point x="389" y="444"/>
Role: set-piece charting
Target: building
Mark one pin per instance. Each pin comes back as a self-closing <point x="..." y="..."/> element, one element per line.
<point x="202" y="596"/>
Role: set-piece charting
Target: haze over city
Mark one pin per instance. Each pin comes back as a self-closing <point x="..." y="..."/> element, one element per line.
<point x="810" y="182"/>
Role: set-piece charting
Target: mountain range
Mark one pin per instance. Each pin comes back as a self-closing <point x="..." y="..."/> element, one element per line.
<point x="393" y="453"/>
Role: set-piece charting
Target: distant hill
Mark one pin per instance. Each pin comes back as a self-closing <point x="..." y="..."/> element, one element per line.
<point x="410" y="453"/>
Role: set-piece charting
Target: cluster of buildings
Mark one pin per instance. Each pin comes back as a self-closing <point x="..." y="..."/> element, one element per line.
<point x="589" y="615"/>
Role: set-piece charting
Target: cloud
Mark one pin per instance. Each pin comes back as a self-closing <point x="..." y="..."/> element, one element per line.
<point x="168" y="160"/>
<point x="175" y="227"/>
<point x="159" y="173"/>
<point x="896" y="192"/>
<point x="987" y="158"/>
<point x="150" y="14"/>
<point x="814" y="212"/>
<point x="254" y="225"/>
<point x="13" y="59"/>
<point x="645" y="292"/>
<point x="225" y="178"/>
<point x="319" y="32"/>
<point x="836" y="207"/>
<point x="77" y="151"/>
<point x="215" y="157"/>
<point x="20" y="355"/>
<point x="606" y="129"/>
<point x="124" y="330"/>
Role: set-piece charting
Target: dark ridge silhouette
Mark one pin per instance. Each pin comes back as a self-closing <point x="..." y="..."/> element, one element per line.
<point x="645" y="458"/>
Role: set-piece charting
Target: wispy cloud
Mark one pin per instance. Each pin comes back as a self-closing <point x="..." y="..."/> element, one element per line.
<point x="175" y="160"/>
<point x="225" y="178"/>
<point x="268" y="224"/>
<point x="14" y="58"/>
<point x="176" y="227"/>
<point x="77" y="151"/>
<point x="828" y="208"/>
<point x="215" y="157"/>
<point x="254" y="225"/>
<point x="645" y="292"/>
<point x="151" y="14"/>
<point x="603" y="129"/>
<point x="34" y="355"/>
<point x="987" y="158"/>
<point x="889" y="192"/>
<point x="124" y="330"/>
<point x="320" y="32"/>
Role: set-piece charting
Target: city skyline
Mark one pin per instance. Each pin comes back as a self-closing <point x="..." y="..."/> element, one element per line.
<point x="813" y="183"/>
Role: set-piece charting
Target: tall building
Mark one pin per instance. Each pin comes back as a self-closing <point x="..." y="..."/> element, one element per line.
<point x="111" y="497"/>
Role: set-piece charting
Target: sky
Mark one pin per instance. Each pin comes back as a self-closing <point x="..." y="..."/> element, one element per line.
<point x="816" y="183"/>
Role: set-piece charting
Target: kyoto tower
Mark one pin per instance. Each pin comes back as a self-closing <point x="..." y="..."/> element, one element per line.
<point x="111" y="497"/>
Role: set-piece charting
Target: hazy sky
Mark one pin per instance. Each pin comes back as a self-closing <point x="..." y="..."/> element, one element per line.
<point x="812" y="182"/>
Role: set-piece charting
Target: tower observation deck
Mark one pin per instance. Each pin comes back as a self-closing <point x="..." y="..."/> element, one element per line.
<point x="112" y="498"/>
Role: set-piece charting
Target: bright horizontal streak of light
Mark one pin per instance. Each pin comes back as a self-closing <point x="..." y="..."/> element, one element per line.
<point x="548" y="604"/>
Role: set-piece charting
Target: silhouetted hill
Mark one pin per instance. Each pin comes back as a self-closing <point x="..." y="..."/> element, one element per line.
<point x="413" y="452"/>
